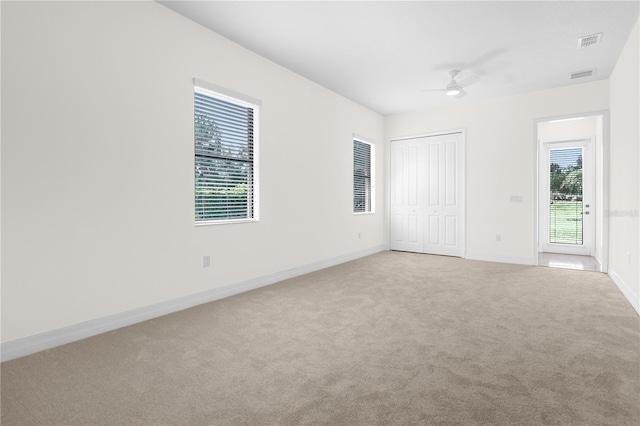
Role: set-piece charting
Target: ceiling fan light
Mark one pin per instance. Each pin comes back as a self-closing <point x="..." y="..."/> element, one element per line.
<point x="453" y="92"/>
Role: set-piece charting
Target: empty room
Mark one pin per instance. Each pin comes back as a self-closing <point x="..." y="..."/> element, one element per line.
<point x="320" y="213"/>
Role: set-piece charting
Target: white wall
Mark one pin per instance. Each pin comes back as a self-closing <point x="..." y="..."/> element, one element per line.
<point x="624" y="237"/>
<point x="570" y="129"/>
<point x="97" y="164"/>
<point x="501" y="160"/>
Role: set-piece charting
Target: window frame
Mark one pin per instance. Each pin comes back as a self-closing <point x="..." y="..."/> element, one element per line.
<point x="222" y="94"/>
<point x="372" y="177"/>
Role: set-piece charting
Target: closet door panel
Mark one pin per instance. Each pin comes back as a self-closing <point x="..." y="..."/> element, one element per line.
<point x="427" y="195"/>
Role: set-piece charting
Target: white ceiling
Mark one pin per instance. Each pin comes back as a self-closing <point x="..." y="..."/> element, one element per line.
<point x="382" y="54"/>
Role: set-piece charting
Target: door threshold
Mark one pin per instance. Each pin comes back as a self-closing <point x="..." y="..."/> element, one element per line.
<point x="569" y="261"/>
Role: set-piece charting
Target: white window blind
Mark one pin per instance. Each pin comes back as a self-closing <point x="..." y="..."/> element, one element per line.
<point x="362" y="176"/>
<point x="225" y="146"/>
<point x="566" y="203"/>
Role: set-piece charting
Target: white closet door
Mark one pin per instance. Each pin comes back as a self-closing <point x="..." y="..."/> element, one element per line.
<point x="406" y="197"/>
<point x="426" y="195"/>
<point x="443" y="208"/>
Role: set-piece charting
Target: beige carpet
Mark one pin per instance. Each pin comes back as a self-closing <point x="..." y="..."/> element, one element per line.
<point x="391" y="339"/>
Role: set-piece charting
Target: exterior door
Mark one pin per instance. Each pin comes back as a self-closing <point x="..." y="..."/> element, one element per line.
<point x="426" y="195"/>
<point x="567" y="197"/>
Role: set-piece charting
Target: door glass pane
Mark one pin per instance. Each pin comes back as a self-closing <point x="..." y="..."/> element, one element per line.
<point x="565" y="187"/>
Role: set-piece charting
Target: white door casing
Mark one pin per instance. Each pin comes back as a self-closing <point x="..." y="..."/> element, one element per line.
<point x="426" y="202"/>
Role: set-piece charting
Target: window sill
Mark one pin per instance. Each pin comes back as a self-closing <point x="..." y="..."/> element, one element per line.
<point x="224" y="222"/>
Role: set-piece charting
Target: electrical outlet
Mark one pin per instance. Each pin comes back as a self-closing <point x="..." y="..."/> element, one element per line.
<point x="206" y="261"/>
<point x="498" y="237"/>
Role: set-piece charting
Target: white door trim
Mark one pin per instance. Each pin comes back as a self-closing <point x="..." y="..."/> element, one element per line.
<point x="603" y="209"/>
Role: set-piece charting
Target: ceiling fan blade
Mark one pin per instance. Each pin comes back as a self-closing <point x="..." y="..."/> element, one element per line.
<point x="462" y="94"/>
<point x="468" y="81"/>
<point x="434" y="90"/>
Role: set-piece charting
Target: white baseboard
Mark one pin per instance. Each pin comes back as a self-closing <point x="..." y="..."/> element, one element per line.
<point x="633" y="298"/>
<point x="50" y="339"/>
<point x="516" y="260"/>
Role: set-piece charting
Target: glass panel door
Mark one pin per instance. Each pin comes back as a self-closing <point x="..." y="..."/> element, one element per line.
<point x="566" y="196"/>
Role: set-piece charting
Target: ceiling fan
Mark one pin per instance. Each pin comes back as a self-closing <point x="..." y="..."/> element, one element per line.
<point x="455" y="88"/>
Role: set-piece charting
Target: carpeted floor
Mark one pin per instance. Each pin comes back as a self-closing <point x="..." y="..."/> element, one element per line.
<point x="390" y="339"/>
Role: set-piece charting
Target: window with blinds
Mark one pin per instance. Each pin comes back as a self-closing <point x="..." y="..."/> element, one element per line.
<point x="362" y="177"/>
<point x="225" y="139"/>
<point x="565" y="189"/>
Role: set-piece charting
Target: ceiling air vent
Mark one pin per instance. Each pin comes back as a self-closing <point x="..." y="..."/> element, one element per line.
<point x="589" y="40"/>
<point x="582" y="74"/>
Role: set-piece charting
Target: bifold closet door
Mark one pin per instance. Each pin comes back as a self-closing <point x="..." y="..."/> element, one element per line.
<point x="407" y="215"/>
<point x="426" y="195"/>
